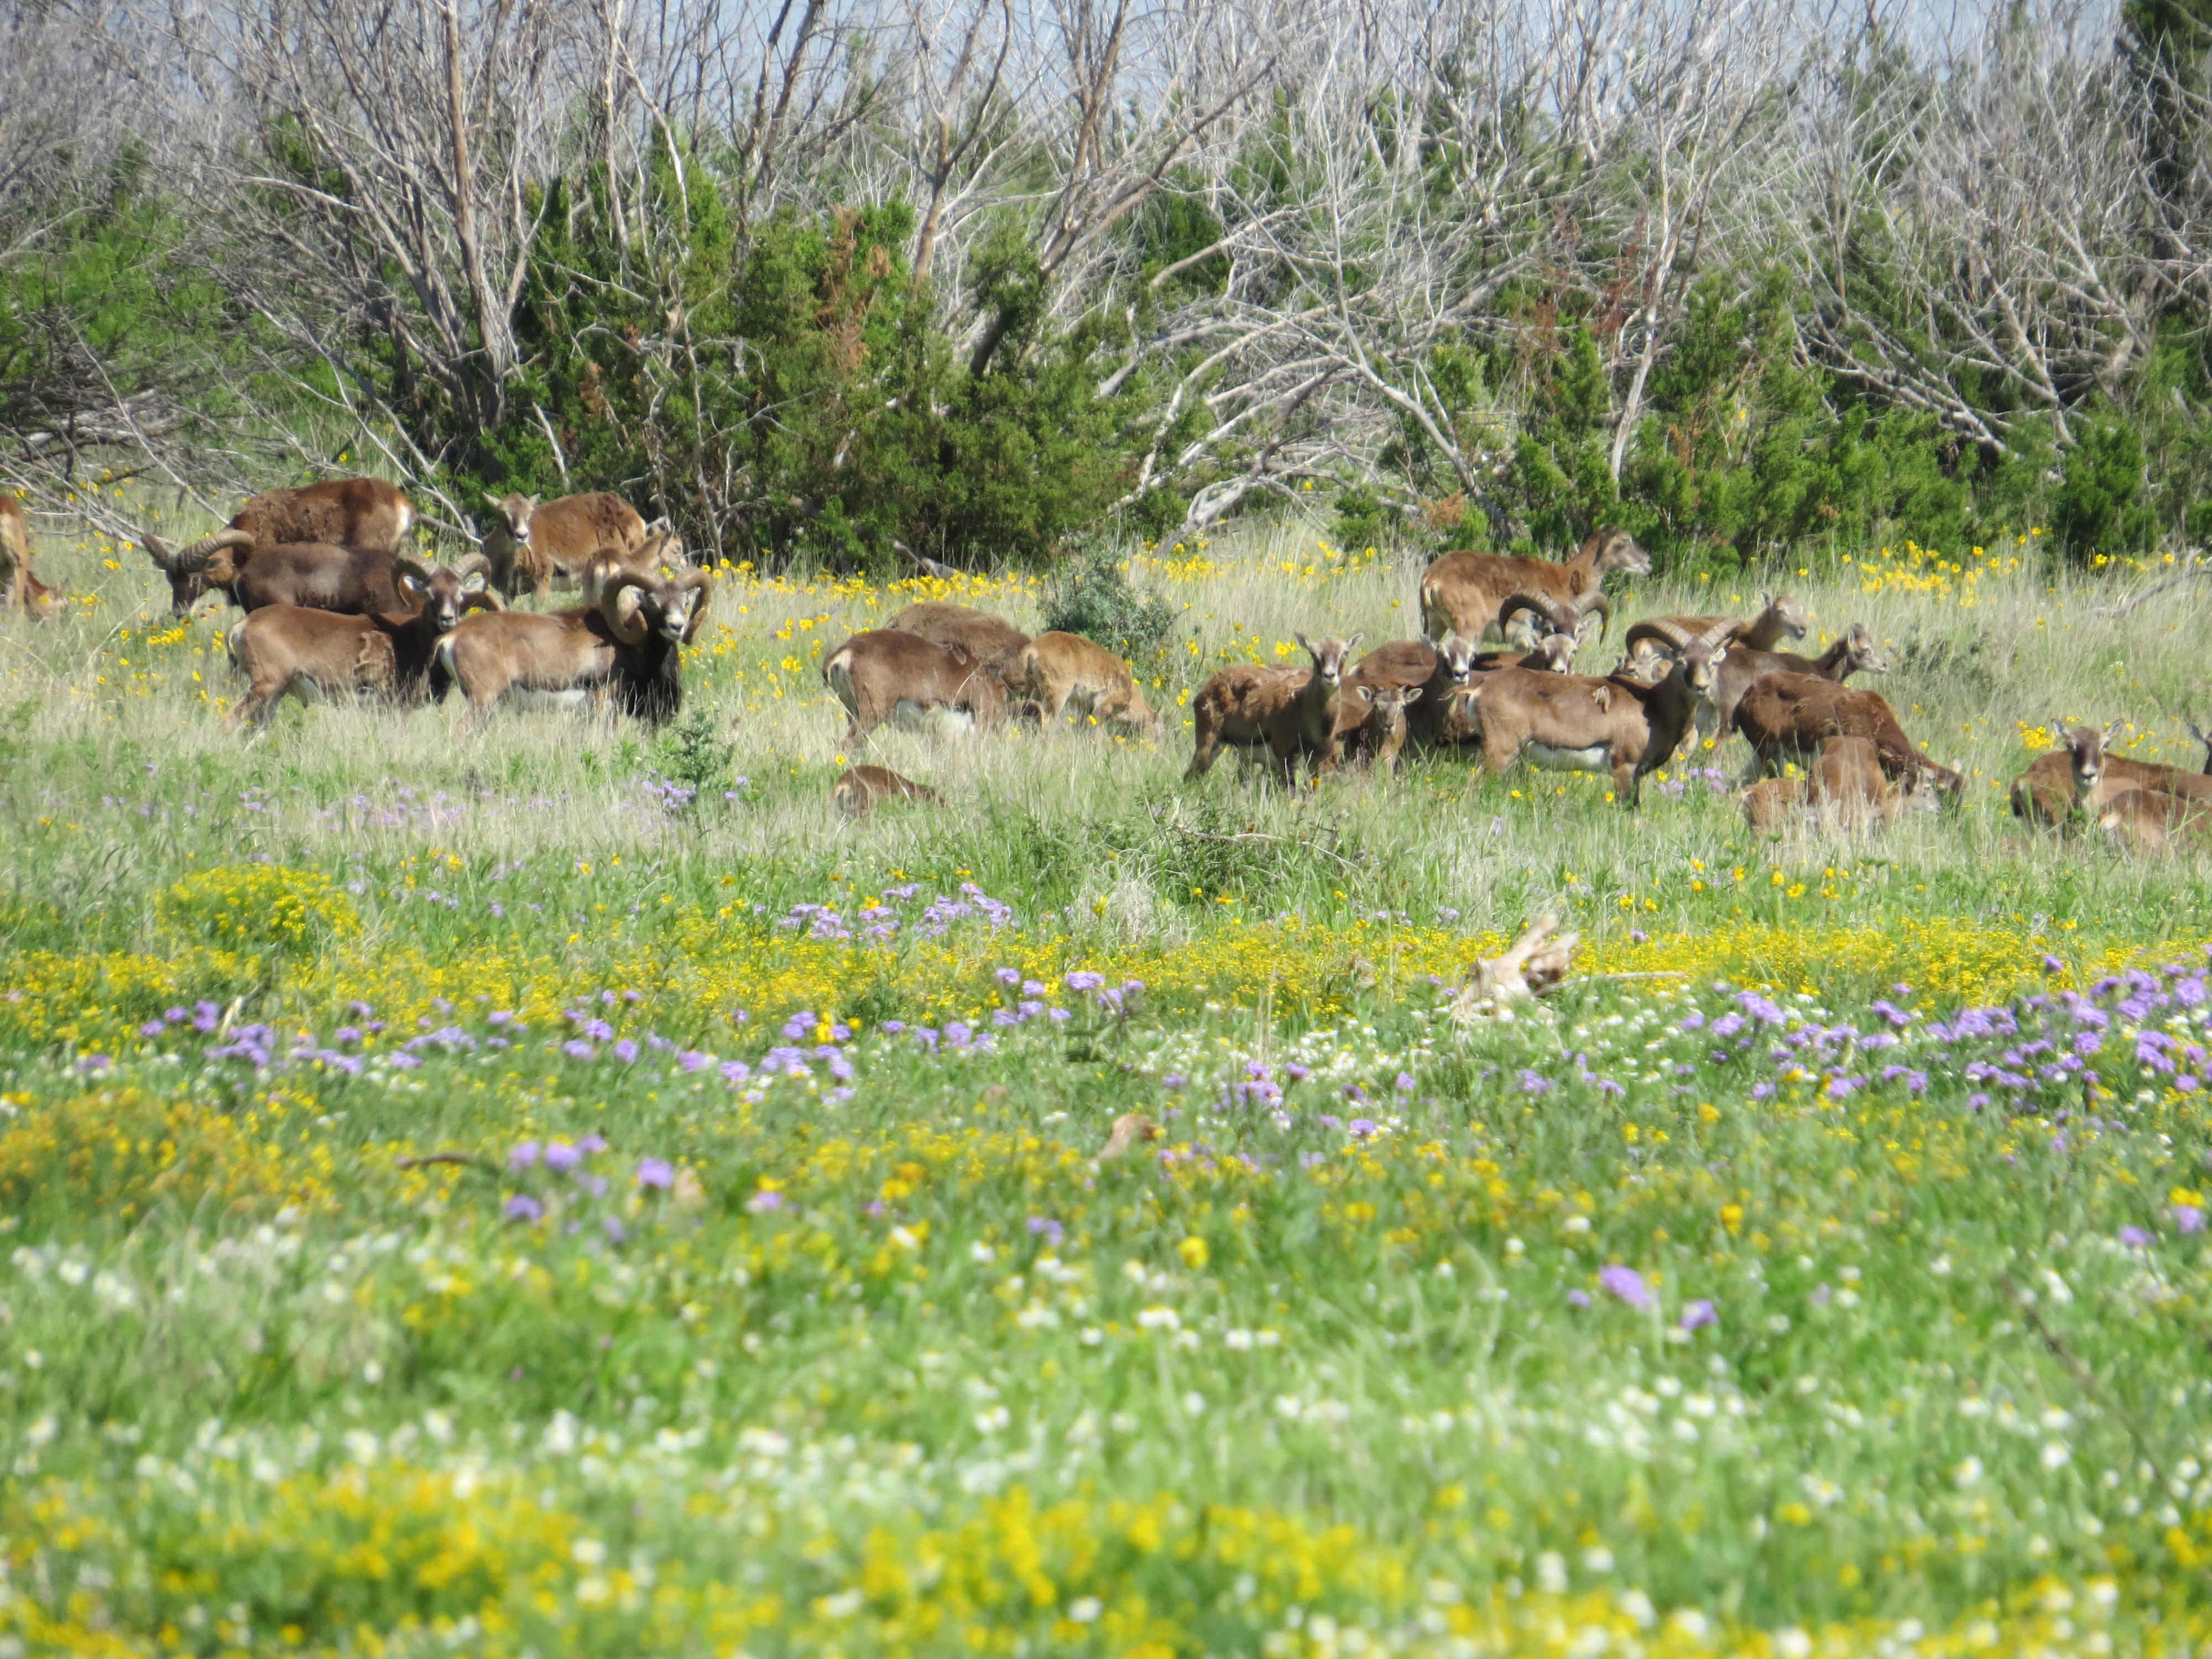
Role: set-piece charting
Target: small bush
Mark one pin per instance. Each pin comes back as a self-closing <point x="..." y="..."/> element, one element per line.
<point x="1362" y="519"/>
<point x="1091" y="594"/>
<point x="693" y="758"/>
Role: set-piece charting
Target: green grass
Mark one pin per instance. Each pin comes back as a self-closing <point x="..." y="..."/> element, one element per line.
<point x="862" y="1347"/>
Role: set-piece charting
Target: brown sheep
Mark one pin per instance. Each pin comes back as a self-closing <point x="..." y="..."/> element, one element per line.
<point x="861" y="790"/>
<point x="363" y="513"/>
<point x="1290" y="711"/>
<point x="1060" y="671"/>
<point x="889" y="674"/>
<point x="1464" y="593"/>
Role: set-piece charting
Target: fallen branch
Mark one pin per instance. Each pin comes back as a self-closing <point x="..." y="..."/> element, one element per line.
<point x="2191" y="569"/>
<point x="1534" y="965"/>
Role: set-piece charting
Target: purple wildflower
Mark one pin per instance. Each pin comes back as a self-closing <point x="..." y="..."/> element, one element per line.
<point x="1698" y="1314"/>
<point x="524" y="1155"/>
<point x="561" y="1156"/>
<point x="765" y="1202"/>
<point x="1626" y="1283"/>
<point x="523" y="1207"/>
<point x="655" y="1172"/>
<point x="1578" y="1298"/>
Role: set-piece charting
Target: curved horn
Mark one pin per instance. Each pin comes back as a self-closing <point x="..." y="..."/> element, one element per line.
<point x="195" y="555"/>
<point x="1720" y="633"/>
<point x="482" y="598"/>
<point x="207" y="547"/>
<point x="1539" y="603"/>
<point x="622" y="622"/>
<point x="473" y="564"/>
<point x="1665" y="629"/>
<point x="406" y="564"/>
<point x="1595" y="600"/>
<point x="601" y="568"/>
<point x="699" y="580"/>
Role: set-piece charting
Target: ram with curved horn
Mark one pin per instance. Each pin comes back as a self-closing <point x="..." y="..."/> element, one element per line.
<point x="1464" y="593"/>
<point x="353" y="581"/>
<point x="1778" y="619"/>
<point x="626" y="650"/>
<point x="355" y="513"/>
<point x="1547" y="616"/>
<point x="1573" y="722"/>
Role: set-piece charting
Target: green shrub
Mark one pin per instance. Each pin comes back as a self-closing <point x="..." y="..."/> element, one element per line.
<point x="1363" y="520"/>
<point x="1091" y="594"/>
<point x="2098" y="512"/>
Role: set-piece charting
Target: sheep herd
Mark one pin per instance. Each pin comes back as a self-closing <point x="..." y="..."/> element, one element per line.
<point x="331" y="606"/>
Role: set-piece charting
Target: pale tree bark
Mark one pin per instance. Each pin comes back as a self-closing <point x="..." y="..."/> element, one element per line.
<point x="2003" y="240"/>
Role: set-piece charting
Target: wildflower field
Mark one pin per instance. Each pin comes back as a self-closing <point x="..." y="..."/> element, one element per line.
<point x="551" y="1189"/>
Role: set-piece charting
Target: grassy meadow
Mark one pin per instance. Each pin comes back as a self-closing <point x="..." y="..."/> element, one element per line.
<point x="543" y="1187"/>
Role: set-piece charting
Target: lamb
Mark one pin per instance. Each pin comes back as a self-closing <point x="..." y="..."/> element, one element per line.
<point x="1370" y="725"/>
<point x="860" y="791"/>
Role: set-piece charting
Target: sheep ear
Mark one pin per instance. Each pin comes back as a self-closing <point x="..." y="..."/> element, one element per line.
<point x="1412" y="695"/>
<point x="1301" y="639"/>
<point x="473" y="582"/>
<point x="1352" y="641"/>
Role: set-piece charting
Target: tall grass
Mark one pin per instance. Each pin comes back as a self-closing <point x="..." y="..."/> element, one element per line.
<point x="465" y="1196"/>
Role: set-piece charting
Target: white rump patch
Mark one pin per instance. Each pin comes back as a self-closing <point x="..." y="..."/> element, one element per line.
<point x="1596" y="758"/>
<point x="931" y="719"/>
<point x="528" y="699"/>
